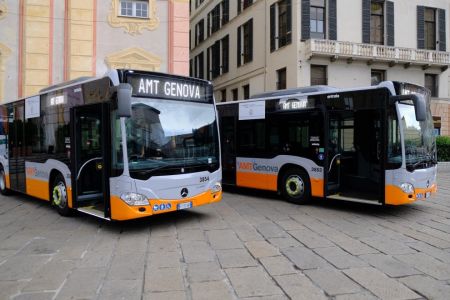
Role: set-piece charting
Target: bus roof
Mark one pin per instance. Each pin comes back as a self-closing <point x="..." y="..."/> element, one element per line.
<point x="312" y="90"/>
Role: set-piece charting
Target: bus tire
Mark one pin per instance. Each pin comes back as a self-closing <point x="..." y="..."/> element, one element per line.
<point x="3" y="189"/>
<point x="59" y="197"/>
<point x="295" y="186"/>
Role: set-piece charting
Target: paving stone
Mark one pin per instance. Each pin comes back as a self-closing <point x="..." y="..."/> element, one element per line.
<point x="22" y="267"/>
<point x="298" y="286"/>
<point x="251" y="282"/>
<point x="388" y="246"/>
<point x="191" y="235"/>
<point x="121" y="289"/>
<point x="211" y="290"/>
<point x="277" y="265"/>
<point x="290" y="224"/>
<point x="310" y="239"/>
<point x="174" y="295"/>
<point x="387" y="264"/>
<point x="235" y="258"/>
<point x="82" y="283"/>
<point x="197" y="251"/>
<point x="430" y="288"/>
<point x="35" y="296"/>
<point x="379" y="284"/>
<point x="357" y="296"/>
<point x="223" y="239"/>
<point x="332" y="281"/>
<point x="170" y="259"/>
<point x="275" y="297"/>
<point x="261" y="249"/>
<point x="50" y="276"/>
<point x="161" y="244"/>
<point x="271" y="230"/>
<point x="304" y="258"/>
<point x="127" y="267"/>
<point x="163" y="280"/>
<point x="437" y="253"/>
<point x="10" y="288"/>
<point x="204" y="271"/>
<point x="427" y="264"/>
<point x="164" y="230"/>
<point x="283" y="243"/>
<point x="340" y="258"/>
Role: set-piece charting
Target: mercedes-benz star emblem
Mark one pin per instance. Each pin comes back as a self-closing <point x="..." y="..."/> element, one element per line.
<point x="184" y="192"/>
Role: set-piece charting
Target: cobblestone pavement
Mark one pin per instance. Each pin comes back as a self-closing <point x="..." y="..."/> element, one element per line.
<point x="249" y="246"/>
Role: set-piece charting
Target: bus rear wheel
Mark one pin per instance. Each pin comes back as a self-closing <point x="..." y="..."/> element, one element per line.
<point x="3" y="189"/>
<point x="59" y="197"/>
<point x="295" y="186"/>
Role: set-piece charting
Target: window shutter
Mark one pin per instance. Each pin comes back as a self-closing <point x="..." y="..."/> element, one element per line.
<point x="442" y="32"/>
<point x="250" y="42"/>
<point x="390" y="23"/>
<point x="225" y="58"/>
<point x="306" y="22"/>
<point x="216" y="59"/>
<point x="332" y="20"/>
<point x="366" y="21"/>
<point x="239" y="3"/>
<point x="208" y="64"/>
<point x="420" y="27"/>
<point x="239" y="52"/>
<point x="272" y="27"/>
<point x="225" y="12"/>
<point x="289" y="22"/>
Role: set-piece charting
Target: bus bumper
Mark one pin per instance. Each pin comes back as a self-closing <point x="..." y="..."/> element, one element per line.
<point x="395" y="195"/>
<point x="121" y="211"/>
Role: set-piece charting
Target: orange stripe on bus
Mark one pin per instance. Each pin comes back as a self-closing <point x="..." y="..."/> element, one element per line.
<point x="317" y="187"/>
<point x="7" y="181"/>
<point x="395" y="196"/>
<point x="37" y="188"/>
<point x="257" y="180"/>
<point x="121" y="211"/>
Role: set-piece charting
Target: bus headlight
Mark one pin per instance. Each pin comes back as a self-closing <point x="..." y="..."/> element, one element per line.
<point x="407" y="188"/>
<point x="217" y="187"/>
<point x="134" y="199"/>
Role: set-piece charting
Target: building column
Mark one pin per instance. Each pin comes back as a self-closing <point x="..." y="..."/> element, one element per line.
<point x="178" y="57"/>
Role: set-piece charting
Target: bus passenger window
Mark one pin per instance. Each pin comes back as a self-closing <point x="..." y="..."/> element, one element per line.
<point x="252" y="136"/>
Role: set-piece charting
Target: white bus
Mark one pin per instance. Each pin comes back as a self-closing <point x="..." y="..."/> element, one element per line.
<point x="372" y="144"/>
<point x="128" y="145"/>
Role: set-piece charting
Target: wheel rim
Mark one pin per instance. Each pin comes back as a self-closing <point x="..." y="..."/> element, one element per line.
<point x="60" y="195"/>
<point x="295" y="187"/>
<point x="2" y="181"/>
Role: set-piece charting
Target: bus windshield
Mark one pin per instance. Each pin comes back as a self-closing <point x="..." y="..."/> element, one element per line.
<point x="420" y="147"/>
<point x="170" y="137"/>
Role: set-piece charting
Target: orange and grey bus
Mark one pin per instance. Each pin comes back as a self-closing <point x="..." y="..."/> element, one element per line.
<point x="371" y="145"/>
<point x="127" y="145"/>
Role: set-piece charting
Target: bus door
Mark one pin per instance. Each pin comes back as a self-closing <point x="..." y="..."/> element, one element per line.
<point x="89" y="145"/>
<point x="354" y="150"/>
<point x="17" y="147"/>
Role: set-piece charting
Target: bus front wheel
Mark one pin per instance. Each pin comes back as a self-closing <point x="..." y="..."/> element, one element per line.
<point x="59" y="197"/>
<point x="295" y="186"/>
<point x="3" y="189"/>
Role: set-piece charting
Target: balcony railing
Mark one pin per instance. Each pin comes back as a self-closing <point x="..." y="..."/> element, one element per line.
<point x="369" y="52"/>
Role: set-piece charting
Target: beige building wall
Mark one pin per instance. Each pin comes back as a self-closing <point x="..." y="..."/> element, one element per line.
<point x="44" y="42"/>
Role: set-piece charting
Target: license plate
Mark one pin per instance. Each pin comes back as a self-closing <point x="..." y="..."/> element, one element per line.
<point x="185" y="205"/>
<point x="427" y="194"/>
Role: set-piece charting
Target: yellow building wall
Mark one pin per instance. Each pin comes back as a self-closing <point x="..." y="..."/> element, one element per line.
<point x="36" y="49"/>
<point x="81" y="35"/>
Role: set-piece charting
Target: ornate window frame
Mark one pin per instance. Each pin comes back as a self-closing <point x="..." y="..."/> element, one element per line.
<point x="134" y="58"/>
<point x="133" y="25"/>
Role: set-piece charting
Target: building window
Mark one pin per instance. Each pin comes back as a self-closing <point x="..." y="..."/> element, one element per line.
<point x="235" y="93"/>
<point x="199" y="66"/>
<point x="431" y="83"/>
<point x="377" y="76"/>
<point x="245" y="43"/>
<point x="199" y="32"/>
<point x="319" y="75"/>
<point x="246" y="91"/>
<point x="377" y="23"/>
<point x="437" y="125"/>
<point x="137" y="9"/>
<point x="280" y="24"/>
<point x="430" y="28"/>
<point x="225" y="45"/>
<point x="281" y="79"/>
<point x="225" y="11"/>
<point x="198" y="3"/>
<point x="217" y="58"/>
<point x="317" y="19"/>
<point x="223" y="94"/>
<point x="243" y="4"/>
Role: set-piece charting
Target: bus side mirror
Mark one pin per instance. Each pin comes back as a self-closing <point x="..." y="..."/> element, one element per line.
<point x="420" y="104"/>
<point x="124" y="100"/>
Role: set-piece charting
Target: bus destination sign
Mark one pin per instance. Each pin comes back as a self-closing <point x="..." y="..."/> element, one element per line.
<point x="168" y="88"/>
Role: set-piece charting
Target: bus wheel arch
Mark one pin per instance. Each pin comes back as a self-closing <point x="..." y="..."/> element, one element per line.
<point x="3" y="189"/>
<point x="58" y="193"/>
<point x="294" y="184"/>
